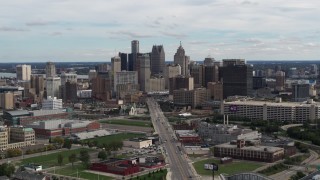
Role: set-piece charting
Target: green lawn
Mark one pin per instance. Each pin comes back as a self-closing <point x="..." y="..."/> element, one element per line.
<point x="128" y="122"/>
<point x="230" y="168"/>
<point x="50" y="160"/>
<point x="72" y="171"/>
<point x="152" y="176"/>
<point x="115" y="137"/>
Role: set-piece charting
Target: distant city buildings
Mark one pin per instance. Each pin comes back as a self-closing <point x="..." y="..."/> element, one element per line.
<point x="23" y="72"/>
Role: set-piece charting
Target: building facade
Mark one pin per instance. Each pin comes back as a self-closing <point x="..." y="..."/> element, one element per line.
<point x="53" y="86"/>
<point x="52" y="103"/>
<point x="50" y="70"/>
<point x="23" y="72"/>
<point x="125" y="77"/>
<point x="16" y="137"/>
<point x="157" y="60"/>
<point x="181" y="59"/>
<point x="171" y="70"/>
<point x="144" y="72"/>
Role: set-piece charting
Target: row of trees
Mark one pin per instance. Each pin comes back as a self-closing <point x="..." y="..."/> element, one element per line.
<point x="7" y="169"/>
<point x="112" y="146"/>
<point x="84" y="157"/>
<point x="307" y="133"/>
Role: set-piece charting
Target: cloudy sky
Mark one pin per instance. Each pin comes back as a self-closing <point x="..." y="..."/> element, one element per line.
<point x="94" y="30"/>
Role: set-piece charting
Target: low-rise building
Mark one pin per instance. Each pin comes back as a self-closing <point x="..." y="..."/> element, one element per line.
<point x="239" y="150"/>
<point x="137" y="143"/>
<point x="16" y="137"/>
<point x="116" y="166"/>
<point x="52" y="103"/>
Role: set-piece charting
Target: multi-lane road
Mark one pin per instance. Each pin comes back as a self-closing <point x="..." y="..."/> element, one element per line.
<point x="175" y="156"/>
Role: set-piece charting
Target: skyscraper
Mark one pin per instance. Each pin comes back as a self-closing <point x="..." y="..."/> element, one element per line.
<point x="236" y="77"/>
<point x="134" y="52"/>
<point x="135" y="46"/>
<point x="124" y="61"/>
<point x="196" y="71"/>
<point x="280" y="80"/>
<point x="181" y="59"/>
<point x="171" y="70"/>
<point x="115" y="64"/>
<point x="157" y="60"/>
<point x="50" y="69"/>
<point x="145" y="73"/>
<point x="53" y="86"/>
<point x="23" y="72"/>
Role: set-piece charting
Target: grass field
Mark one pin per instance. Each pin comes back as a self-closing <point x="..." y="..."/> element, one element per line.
<point x="152" y="176"/>
<point x="78" y="171"/>
<point x="50" y="160"/>
<point x="115" y="137"/>
<point x="128" y="122"/>
<point x="230" y="168"/>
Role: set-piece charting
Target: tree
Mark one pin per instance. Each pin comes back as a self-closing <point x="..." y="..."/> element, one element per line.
<point x="67" y="144"/>
<point x="84" y="157"/>
<point x="72" y="158"/>
<point x="58" y="140"/>
<point x="7" y="169"/>
<point x="14" y="152"/>
<point x="60" y="159"/>
<point x="102" y="155"/>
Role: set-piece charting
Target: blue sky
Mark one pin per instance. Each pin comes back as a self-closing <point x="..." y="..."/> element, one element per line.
<point x="82" y="30"/>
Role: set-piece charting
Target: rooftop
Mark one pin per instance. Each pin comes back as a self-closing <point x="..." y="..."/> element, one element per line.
<point x="268" y="103"/>
<point x="252" y="148"/>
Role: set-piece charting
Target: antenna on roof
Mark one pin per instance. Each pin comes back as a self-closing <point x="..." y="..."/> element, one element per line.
<point x="180" y="43"/>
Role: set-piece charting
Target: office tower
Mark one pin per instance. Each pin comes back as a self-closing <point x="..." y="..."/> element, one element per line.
<point x="236" y="77"/>
<point x="50" y="69"/>
<point x="115" y="64"/>
<point x="211" y="74"/>
<point x="145" y="73"/>
<point x="102" y="86"/>
<point x="181" y="82"/>
<point x="69" y="92"/>
<point x="300" y="92"/>
<point x="52" y="103"/>
<point x="103" y="67"/>
<point x="37" y="84"/>
<point x="314" y="69"/>
<point x="196" y="71"/>
<point x="157" y="60"/>
<point x="193" y="98"/>
<point x="258" y="82"/>
<point x="23" y="72"/>
<point x="92" y="74"/>
<point x="134" y="52"/>
<point x="157" y="84"/>
<point x="171" y="70"/>
<point x="124" y="89"/>
<point x="216" y="90"/>
<point x="181" y="59"/>
<point x="7" y="100"/>
<point x="208" y="61"/>
<point x="125" y="77"/>
<point x="130" y="62"/>
<point x="53" y="86"/>
<point x="68" y="77"/>
<point x="124" y="61"/>
<point x="280" y="80"/>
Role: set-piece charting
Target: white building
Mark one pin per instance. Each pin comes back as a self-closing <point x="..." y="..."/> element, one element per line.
<point x="280" y="111"/>
<point x="137" y="143"/>
<point x="68" y="77"/>
<point x="52" y="103"/>
<point x="52" y="86"/>
<point x="23" y="72"/>
<point x="84" y="93"/>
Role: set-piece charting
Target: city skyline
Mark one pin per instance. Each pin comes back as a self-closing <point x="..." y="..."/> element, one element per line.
<point x="70" y="30"/>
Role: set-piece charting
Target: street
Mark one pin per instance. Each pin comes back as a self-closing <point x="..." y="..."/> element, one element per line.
<point x="175" y="156"/>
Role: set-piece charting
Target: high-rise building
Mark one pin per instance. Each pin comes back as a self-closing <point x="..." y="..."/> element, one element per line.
<point x="102" y="86"/>
<point x="7" y="100"/>
<point x="300" y="92"/>
<point x="171" y="70"/>
<point x="181" y="59"/>
<point x="157" y="84"/>
<point x="69" y="92"/>
<point x="157" y="60"/>
<point x="68" y="77"/>
<point x="236" y="77"/>
<point x="196" y="71"/>
<point x="37" y="87"/>
<point x="280" y="80"/>
<point x="92" y="74"/>
<point x="125" y="77"/>
<point x="52" y="103"/>
<point x="16" y="137"/>
<point x="124" y="89"/>
<point x="124" y="61"/>
<point x="216" y="90"/>
<point x="23" y="72"/>
<point x="50" y="70"/>
<point x="193" y="98"/>
<point x="53" y="86"/>
<point x="211" y="74"/>
<point x="181" y="82"/>
<point x="115" y="64"/>
<point x="103" y="67"/>
<point x="145" y="73"/>
<point x="208" y="61"/>
<point x="135" y="52"/>
<point x="258" y="82"/>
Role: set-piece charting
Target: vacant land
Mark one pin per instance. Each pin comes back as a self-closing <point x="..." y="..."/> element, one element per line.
<point x="230" y="168"/>
<point x="78" y="171"/>
<point x="50" y="160"/>
<point x="128" y="122"/>
<point x="115" y="137"/>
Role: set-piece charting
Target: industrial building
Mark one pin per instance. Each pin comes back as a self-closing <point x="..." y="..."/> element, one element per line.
<point x="62" y="127"/>
<point x="239" y="150"/>
<point x="222" y="133"/>
<point x="52" y="103"/>
<point x="117" y="166"/>
<point x="137" y="143"/>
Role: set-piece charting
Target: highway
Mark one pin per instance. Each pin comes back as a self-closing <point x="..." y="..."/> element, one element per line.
<point x="175" y="156"/>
